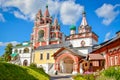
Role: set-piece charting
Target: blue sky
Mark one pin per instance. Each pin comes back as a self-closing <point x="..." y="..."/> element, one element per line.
<point x="17" y="17"/>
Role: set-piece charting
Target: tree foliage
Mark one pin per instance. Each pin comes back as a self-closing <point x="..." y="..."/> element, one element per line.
<point x="8" y="51"/>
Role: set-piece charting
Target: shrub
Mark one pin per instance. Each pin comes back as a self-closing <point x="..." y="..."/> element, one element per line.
<point x="101" y="77"/>
<point x="78" y="77"/>
<point x="84" y="77"/>
<point x="89" y="77"/>
<point x="112" y="72"/>
<point x="33" y="65"/>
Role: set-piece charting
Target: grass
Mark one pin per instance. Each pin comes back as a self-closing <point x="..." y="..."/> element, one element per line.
<point x="14" y="72"/>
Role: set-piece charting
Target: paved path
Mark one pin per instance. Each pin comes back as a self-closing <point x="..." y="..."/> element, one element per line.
<point x="61" y="77"/>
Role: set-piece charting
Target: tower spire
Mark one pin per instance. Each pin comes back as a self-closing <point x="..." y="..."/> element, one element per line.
<point x="46" y="14"/>
<point x="55" y="21"/>
<point x="40" y="13"/>
<point x="84" y="21"/>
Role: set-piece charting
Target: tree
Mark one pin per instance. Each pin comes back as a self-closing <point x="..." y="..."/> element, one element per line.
<point x="8" y="52"/>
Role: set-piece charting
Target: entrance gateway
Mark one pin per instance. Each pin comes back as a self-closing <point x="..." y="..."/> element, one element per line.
<point x="67" y="61"/>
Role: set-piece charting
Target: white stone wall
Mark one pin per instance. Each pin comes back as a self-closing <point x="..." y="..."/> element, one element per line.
<point x="22" y="59"/>
<point x="89" y="42"/>
<point x="77" y="42"/>
<point x="24" y="56"/>
<point x="94" y="42"/>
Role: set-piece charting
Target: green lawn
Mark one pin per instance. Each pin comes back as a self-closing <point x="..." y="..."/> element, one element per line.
<point x="15" y="72"/>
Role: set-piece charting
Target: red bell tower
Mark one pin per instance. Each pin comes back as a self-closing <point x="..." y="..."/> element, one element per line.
<point x="44" y="33"/>
<point x="56" y="35"/>
<point x="41" y="30"/>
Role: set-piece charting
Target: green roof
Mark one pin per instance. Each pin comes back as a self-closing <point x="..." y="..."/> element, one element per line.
<point x="72" y="27"/>
<point x="13" y="54"/>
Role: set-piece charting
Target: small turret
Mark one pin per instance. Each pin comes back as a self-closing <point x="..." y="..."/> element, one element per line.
<point x="84" y="21"/>
<point x="72" y="29"/>
<point x="84" y="27"/>
<point x="55" y="22"/>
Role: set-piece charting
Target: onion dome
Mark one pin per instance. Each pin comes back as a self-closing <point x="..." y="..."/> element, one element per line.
<point x="72" y="27"/>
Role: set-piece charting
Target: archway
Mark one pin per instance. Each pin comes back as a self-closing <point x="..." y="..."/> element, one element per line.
<point x="66" y="65"/>
<point x="25" y="63"/>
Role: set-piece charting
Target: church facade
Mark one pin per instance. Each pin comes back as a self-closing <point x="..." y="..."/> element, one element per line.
<point x="53" y="51"/>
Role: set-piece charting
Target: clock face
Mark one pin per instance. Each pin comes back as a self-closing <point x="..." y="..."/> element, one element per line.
<point x="82" y="43"/>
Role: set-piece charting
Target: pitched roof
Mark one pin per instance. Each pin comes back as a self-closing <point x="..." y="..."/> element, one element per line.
<point x="95" y="57"/>
<point x="39" y="13"/>
<point x="14" y="54"/>
<point x="75" y="52"/>
<point x="66" y="44"/>
<point x="106" y="43"/>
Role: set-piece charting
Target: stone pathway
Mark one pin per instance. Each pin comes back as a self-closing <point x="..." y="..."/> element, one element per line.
<point x="61" y="77"/>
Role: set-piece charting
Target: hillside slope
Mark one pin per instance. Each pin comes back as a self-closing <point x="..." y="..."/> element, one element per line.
<point x="14" y="72"/>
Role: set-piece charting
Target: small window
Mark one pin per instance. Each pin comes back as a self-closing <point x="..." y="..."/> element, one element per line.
<point x="20" y="51"/>
<point x="85" y="64"/>
<point x="41" y="56"/>
<point x="47" y="21"/>
<point x="15" y="51"/>
<point x="90" y="64"/>
<point x="48" y="56"/>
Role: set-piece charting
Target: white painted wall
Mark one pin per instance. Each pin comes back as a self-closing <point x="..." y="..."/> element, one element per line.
<point x="77" y="42"/>
<point x="89" y="42"/>
<point x="24" y="56"/>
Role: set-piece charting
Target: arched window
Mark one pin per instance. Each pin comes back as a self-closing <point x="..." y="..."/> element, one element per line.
<point x="40" y="34"/>
<point x="53" y="35"/>
<point x="26" y="50"/>
<point x="15" y="51"/>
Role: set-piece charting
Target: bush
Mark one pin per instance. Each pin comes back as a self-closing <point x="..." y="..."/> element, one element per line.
<point x="33" y="65"/>
<point x="89" y="77"/>
<point x="101" y="77"/>
<point x="112" y="72"/>
<point x="78" y="77"/>
<point x="84" y="77"/>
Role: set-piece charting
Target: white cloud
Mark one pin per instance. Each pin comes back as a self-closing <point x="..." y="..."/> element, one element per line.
<point x="107" y="12"/>
<point x="2" y="19"/>
<point x="30" y="7"/>
<point x="19" y="15"/>
<point x="6" y="43"/>
<point x="70" y="12"/>
<point x="107" y="36"/>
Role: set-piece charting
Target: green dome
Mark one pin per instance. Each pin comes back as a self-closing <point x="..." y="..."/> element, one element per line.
<point x="72" y="27"/>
